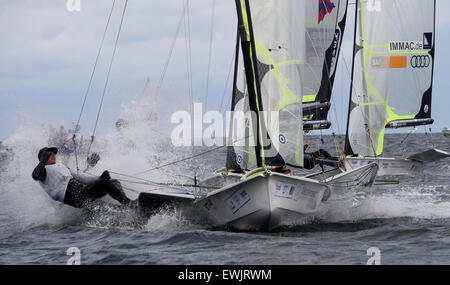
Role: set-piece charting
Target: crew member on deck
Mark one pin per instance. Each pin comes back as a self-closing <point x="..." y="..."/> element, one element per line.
<point x="313" y="158"/>
<point x="59" y="183"/>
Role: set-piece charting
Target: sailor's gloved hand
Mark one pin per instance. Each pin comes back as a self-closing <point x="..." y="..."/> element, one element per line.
<point x="93" y="159"/>
<point x="105" y="175"/>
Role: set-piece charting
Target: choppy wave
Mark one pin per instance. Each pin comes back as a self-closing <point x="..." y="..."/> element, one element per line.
<point x="415" y="213"/>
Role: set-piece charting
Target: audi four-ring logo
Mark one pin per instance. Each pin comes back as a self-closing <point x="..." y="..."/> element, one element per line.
<point x="420" y="61"/>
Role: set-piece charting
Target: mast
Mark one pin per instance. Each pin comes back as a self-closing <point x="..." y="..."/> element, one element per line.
<point x="250" y="75"/>
<point x="348" y="149"/>
<point x="231" y="163"/>
<point x="275" y="52"/>
<point x="254" y="70"/>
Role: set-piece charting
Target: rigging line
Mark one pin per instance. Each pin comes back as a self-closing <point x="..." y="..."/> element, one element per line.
<point x="187" y="32"/>
<point x="95" y="66"/>
<point x="354" y="3"/>
<point x="185" y="191"/>
<point x="89" y="86"/>
<point x="169" y="56"/>
<point x="151" y="183"/>
<point x="404" y="139"/>
<point x="353" y="88"/>
<point x="108" y="75"/>
<point x="227" y="80"/>
<point x="155" y="189"/>
<point x="430" y="139"/>
<point x="161" y="184"/>
<point x="371" y="143"/>
<point x="336" y="146"/>
<point x="180" y="160"/>
<point x="210" y="51"/>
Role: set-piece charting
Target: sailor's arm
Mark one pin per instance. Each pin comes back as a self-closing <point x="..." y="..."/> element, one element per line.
<point x="305" y="147"/>
<point x="39" y="172"/>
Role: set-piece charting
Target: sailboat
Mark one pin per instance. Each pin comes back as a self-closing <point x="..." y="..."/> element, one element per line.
<point x="446" y="132"/>
<point x="392" y="80"/>
<point x="255" y="190"/>
<point x="319" y="72"/>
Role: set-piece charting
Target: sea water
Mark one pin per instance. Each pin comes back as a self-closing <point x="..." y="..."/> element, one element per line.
<point x="406" y="223"/>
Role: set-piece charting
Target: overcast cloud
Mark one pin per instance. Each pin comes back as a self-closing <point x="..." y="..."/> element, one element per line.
<point x="47" y="53"/>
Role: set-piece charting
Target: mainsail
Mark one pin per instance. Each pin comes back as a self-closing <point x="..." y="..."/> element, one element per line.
<point x="392" y="71"/>
<point x="290" y="50"/>
<point x="272" y="35"/>
<point x="324" y="33"/>
<point x="241" y="142"/>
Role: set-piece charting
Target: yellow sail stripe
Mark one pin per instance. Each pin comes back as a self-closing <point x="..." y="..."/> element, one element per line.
<point x="371" y="90"/>
<point x="309" y="98"/>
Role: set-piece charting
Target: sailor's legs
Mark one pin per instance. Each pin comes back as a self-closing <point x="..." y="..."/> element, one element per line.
<point x="112" y="187"/>
<point x="78" y="194"/>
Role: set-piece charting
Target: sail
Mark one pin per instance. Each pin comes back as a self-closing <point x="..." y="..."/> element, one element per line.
<point x="325" y="24"/>
<point x="276" y="32"/>
<point x="146" y="106"/>
<point x="392" y="74"/>
<point x="241" y="141"/>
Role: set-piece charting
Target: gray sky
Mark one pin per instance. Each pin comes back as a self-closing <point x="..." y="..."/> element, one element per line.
<point x="47" y="54"/>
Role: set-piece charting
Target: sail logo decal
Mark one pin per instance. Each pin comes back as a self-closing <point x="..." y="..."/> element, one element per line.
<point x="285" y="190"/>
<point x="379" y="62"/>
<point x="337" y="36"/>
<point x="308" y="117"/>
<point x="282" y="139"/>
<point x="388" y="62"/>
<point x="420" y="61"/>
<point x="406" y="46"/>
<point x="237" y="200"/>
<point x="426" y="43"/>
<point x="325" y="7"/>
<point x="335" y="45"/>
<point x="427" y="40"/>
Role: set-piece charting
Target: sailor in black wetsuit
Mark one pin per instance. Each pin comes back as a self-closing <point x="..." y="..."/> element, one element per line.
<point x="313" y="158"/>
<point x="59" y="183"/>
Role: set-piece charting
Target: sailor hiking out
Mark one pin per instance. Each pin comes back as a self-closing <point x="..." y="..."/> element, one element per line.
<point x="61" y="185"/>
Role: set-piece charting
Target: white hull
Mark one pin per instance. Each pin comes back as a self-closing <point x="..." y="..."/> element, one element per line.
<point x="387" y="165"/>
<point x="395" y="166"/>
<point x="446" y="132"/>
<point x="341" y="181"/>
<point x="265" y="200"/>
